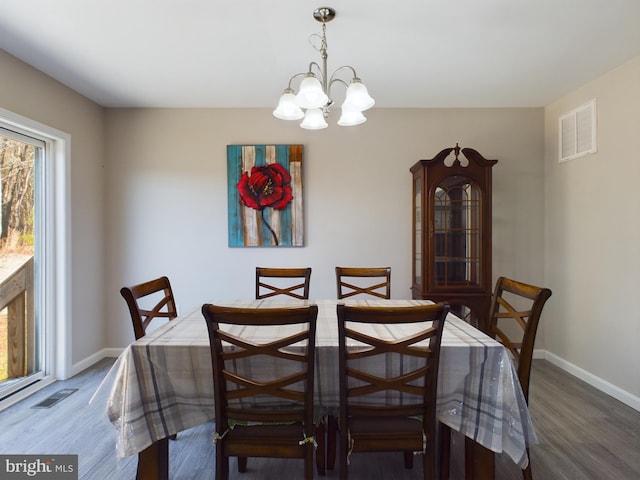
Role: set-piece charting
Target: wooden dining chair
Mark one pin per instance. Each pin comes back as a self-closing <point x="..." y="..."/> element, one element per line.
<point x="271" y="282"/>
<point x="388" y="387"/>
<point x="350" y="283"/>
<point x="515" y="304"/>
<point x="514" y="316"/>
<point x="275" y="285"/>
<point x="268" y="411"/>
<point x="147" y="301"/>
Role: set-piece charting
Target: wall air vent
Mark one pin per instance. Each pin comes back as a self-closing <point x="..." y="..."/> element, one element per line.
<point x="578" y="132"/>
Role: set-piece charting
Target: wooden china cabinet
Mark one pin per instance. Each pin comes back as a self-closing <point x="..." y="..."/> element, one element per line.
<point x="452" y="232"/>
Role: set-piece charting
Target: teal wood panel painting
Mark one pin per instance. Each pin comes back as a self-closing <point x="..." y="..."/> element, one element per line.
<point x="265" y="195"/>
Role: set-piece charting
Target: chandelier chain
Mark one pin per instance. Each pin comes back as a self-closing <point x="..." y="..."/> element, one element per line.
<point x="323" y="46"/>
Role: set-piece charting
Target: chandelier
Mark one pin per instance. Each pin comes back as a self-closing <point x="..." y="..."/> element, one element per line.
<point x="312" y="102"/>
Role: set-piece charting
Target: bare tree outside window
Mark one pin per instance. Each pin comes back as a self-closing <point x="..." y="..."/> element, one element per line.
<point x="16" y="183"/>
<point x="17" y="161"/>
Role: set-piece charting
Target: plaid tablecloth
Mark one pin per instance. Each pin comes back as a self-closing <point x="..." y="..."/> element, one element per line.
<point x="162" y="383"/>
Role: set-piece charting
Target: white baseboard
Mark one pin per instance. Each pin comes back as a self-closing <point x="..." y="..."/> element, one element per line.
<point x="597" y="382"/>
<point x="112" y="352"/>
<point x="95" y="358"/>
<point x="539" y="354"/>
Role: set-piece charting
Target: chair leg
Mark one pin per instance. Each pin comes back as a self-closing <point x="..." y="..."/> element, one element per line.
<point x="408" y="460"/>
<point x="526" y="473"/>
<point x="429" y="463"/>
<point x="445" y="451"/>
<point x="343" y="451"/>
<point x="308" y="462"/>
<point x="321" y="441"/>
<point x="332" y="435"/>
<point x="222" y="464"/>
<point x="242" y="464"/>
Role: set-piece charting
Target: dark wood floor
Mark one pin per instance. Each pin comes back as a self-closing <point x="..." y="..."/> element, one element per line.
<point x="583" y="433"/>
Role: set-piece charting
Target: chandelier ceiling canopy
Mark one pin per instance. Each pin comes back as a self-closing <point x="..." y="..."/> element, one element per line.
<point x="312" y="101"/>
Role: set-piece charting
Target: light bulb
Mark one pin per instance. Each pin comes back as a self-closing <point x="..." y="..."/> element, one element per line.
<point x="287" y="108"/>
<point x="358" y="96"/>
<point x="310" y="94"/>
<point x="314" y="120"/>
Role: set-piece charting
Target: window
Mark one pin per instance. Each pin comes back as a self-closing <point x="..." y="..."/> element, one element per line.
<point x="33" y="229"/>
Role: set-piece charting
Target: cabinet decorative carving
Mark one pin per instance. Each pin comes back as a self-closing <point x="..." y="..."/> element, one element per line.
<point x="452" y="232"/>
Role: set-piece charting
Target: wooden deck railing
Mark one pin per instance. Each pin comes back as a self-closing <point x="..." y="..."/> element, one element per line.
<point x="17" y="296"/>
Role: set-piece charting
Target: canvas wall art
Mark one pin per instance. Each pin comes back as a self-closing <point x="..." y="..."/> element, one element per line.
<point x="265" y="195"/>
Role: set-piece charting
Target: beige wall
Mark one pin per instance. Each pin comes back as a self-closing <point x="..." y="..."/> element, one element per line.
<point x="167" y="196"/>
<point x="592" y="221"/>
<point x="149" y="197"/>
<point x="29" y="93"/>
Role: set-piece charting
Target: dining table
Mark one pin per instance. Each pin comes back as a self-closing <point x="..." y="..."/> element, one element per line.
<point x="162" y="384"/>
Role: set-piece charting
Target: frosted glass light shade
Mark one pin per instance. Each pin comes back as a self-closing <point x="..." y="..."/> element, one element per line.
<point x="310" y="94"/>
<point x="314" y="120"/>
<point x="358" y="96"/>
<point x="287" y="108"/>
<point x="350" y="116"/>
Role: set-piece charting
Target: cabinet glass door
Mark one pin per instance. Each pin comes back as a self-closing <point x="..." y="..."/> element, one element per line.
<point x="457" y="233"/>
<point x="417" y="231"/>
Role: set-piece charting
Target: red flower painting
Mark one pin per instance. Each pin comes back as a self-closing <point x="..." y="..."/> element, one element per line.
<point x="268" y="186"/>
<point x="265" y="192"/>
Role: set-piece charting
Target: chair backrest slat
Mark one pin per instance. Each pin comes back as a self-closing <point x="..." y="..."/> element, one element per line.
<point x="404" y="374"/>
<point x="268" y="380"/>
<point x="268" y="282"/>
<point x="147" y="301"/>
<point x="349" y="281"/>
<point x="514" y="316"/>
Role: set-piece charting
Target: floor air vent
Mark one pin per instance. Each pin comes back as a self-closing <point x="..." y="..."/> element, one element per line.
<point x="55" y="398"/>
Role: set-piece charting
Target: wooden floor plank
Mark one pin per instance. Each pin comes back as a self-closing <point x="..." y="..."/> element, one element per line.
<point x="584" y="435"/>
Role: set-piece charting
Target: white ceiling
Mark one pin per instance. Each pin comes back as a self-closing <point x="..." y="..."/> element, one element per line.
<point x="241" y="53"/>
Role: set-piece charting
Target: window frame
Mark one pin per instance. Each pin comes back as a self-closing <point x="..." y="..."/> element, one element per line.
<point x="55" y="249"/>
